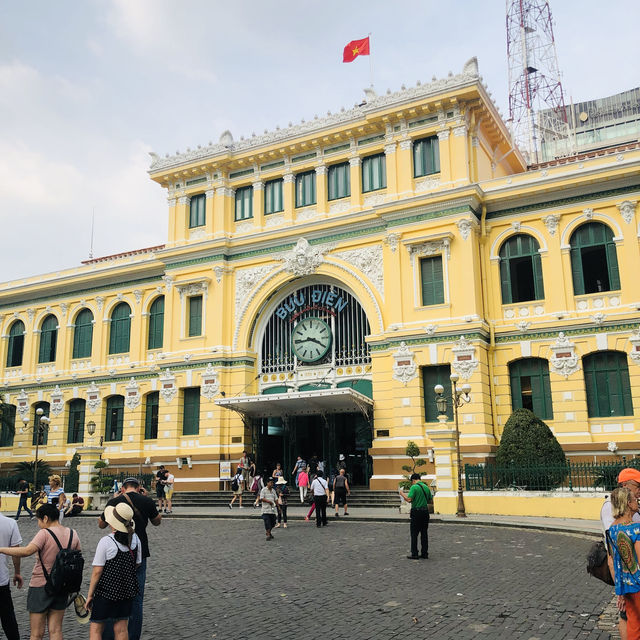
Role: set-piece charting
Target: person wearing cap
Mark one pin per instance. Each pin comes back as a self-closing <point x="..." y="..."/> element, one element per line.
<point x="283" y="495"/>
<point x="144" y="511"/>
<point x="629" y="478"/>
<point x="114" y="584"/>
<point x="269" y="501"/>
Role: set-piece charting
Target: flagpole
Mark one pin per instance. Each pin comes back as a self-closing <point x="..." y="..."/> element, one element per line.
<point x="370" y="62"/>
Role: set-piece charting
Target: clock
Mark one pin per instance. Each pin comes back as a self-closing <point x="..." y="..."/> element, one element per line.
<point x="311" y="339"/>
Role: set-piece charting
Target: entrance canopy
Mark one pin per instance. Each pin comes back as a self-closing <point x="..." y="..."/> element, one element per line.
<point x="300" y="403"/>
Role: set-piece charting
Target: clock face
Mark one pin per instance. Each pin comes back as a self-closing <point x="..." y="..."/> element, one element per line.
<point x="311" y="339"/>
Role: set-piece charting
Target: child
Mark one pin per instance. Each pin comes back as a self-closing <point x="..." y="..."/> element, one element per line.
<point x="283" y="495"/>
<point x="114" y="583"/>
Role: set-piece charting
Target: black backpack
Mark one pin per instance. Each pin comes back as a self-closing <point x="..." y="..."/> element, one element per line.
<point x="234" y="484"/>
<point x="65" y="577"/>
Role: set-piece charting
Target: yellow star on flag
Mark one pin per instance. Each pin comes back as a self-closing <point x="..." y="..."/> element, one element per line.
<point x="356" y="51"/>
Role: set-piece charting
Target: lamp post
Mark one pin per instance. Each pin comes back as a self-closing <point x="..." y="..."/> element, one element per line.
<point x="91" y="428"/>
<point x="41" y="425"/>
<point x="459" y="395"/>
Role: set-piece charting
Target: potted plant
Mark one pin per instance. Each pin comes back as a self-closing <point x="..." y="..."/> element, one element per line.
<point x="412" y="451"/>
<point x="101" y="485"/>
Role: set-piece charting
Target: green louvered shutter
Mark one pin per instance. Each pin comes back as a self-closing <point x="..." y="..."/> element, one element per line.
<point x="538" y="282"/>
<point x="576" y="271"/>
<point x="191" y="412"/>
<point x="505" y="281"/>
<point x="156" y="324"/>
<point x="151" y="416"/>
<point x="612" y="267"/>
<point x="195" y="316"/>
<point x="120" y="330"/>
<point x="432" y="281"/>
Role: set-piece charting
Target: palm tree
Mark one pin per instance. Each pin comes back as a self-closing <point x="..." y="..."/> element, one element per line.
<point x="25" y="470"/>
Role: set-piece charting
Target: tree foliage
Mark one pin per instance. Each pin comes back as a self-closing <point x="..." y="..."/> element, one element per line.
<point x="412" y="451"/>
<point x="527" y="443"/>
<point x="73" y="477"/>
<point x="25" y="470"/>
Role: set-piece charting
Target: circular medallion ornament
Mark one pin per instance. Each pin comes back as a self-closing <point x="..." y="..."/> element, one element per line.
<point x="311" y="339"/>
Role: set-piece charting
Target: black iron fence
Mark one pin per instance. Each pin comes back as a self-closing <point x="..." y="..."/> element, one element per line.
<point x="572" y="476"/>
<point x="10" y="483"/>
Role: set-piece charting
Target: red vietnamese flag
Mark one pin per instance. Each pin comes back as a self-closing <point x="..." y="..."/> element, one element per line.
<point x="356" y="48"/>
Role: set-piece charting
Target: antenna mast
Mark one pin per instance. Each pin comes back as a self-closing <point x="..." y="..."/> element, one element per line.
<point x="537" y="112"/>
<point x="93" y="218"/>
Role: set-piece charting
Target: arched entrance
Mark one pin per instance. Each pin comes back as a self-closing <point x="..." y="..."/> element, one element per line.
<point x="314" y="371"/>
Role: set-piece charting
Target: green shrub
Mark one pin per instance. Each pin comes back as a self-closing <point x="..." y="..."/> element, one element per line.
<point x="412" y="451"/>
<point x="529" y="454"/>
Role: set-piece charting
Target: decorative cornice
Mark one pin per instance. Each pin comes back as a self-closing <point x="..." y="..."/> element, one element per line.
<point x="469" y="75"/>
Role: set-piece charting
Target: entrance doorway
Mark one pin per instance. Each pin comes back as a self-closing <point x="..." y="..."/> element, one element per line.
<point x="284" y="439"/>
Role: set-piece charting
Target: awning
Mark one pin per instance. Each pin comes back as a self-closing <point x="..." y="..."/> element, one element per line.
<point x="300" y="403"/>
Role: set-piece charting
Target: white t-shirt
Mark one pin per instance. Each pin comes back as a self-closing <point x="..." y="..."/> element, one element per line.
<point x="170" y="479"/>
<point x="318" y="486"/>
<point x="606" y="515"/>
<point x="9" y="537"/>
<point x="106" y="550"/>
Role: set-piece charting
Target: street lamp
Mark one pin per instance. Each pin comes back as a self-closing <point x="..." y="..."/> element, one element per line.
<point x="91" y="428"/>
<point x="459" y="395"/>
<point x="40" y="427"/>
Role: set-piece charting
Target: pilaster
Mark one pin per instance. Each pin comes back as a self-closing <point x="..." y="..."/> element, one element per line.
<point x="288" y="189"/>
<point x="404" y="167"/>
<point x="392" y="174"/>
<point x="321" y="189"/>
<point x="258" y="204"/>
<point x="356" y="183"/>
<point x="444" y="137"/>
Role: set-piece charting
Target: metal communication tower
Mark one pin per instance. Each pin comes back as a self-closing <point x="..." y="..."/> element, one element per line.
<point x="537" y="111"/>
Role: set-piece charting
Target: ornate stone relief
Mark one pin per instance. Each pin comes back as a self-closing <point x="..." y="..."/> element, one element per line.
<point x="465" y="361"/>
<point x="340" y="207"/>
<point x="516" y="226"/>
<point x="551" y="222"/>
<point x="137" y="294"/>
<point x="57" y="405"/>
<point x="588" y="213"/>
<point x="246" y="280"/>
<point x="31" y="313"/>
<point x="430" y="329"/>
<point x="274" y="220"/>
<point x="309" y="213"/>
<point x="368" y="261"/>
<point x="100" y="302"/>
<point x="93" y="397"/>
<point x="564" y="360"/>
<point x="244" y="227"/>
<point x="210" y="385"/>
<point x="132" y="394"/>
<point x="404" y="366"/>
<point x="303" y="259"/>
<point x="64" y="307"/>
<point x="430" y="248"/>
<point x="598" y="318"/>
<point x="168" y="282"/>
<point x="392" y="240"/>
<point x="465" y="226"/>
<point x="426" y="184"/>
<point x="627" y="210"/>
<point x="22" y="403"/>
<point x="197" y="234"/>
<point x="168" y="389"/>
<point x="374" y="199"/>
<point x="523" y="325"/>
<point x="218" y="271"/>
<point x="635" y="347"/>
<point x="193" y="288"/>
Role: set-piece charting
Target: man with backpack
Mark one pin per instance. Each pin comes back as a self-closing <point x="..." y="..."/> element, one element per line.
<point x="419" y="496"/>
<point x="144" y="511"/>
<point x="23" y="491"/>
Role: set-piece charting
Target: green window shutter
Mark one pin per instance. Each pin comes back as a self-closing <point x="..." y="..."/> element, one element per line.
<point x="114" y="419"/>
<point x="607" y="384"/>
<point x="156" y="324"/>
<point x="505" y="281"/>
<point x="273" y="201"/>
<point x="120" y="329"/>
<point x="48" y="339"/>
<point x="195" y="316"/>
<point x="197" y="210"/>
<point x="244" y="203"/>
<point x="612" y="266"/>
<point x="537" y="370"/>
<point x="8" y="426"/>
<point x="431" y="376"/>
<point x="339" y="181"/>
<point x="306" y="189"/>
<point x="426" y="157"/>
<point x="75" y="429"/>
<point x="516" y="388"/>
<point x="374" y="173"/>
<point x="15" y="349"/>
<point x="432" y="281"/>
<point x="191" y="412"/>
<point x="83" y="334"/>
<point x="538" y="282"/>
<point x="576" y="271"/>
<point x="43" y="434"/>
<point x="151" y="415"/>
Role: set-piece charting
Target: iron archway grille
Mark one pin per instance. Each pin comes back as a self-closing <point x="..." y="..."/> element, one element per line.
<point x="346" y="317"/>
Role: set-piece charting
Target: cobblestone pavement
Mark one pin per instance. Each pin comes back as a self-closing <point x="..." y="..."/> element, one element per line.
<point x="220" y="579"/>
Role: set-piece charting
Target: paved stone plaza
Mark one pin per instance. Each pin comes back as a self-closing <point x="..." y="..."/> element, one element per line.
<point x="220" y="579"/>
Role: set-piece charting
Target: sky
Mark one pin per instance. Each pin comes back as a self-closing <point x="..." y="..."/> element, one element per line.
<point x="89" y="87"/>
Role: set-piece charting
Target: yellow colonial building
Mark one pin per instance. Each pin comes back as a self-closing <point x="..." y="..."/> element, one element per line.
<point x="319" y="280"/>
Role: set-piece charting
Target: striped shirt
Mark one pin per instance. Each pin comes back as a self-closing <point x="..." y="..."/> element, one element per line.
<point x="52" y="497"/>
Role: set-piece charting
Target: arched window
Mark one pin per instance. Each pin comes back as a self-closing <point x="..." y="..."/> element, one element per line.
<point x="75" y="432"/>
<point x="16" y="344"/>
<point x="594" y="263"/>
<point x="83" y="335"/>
<point x="151" y="415"/>
<point x="120" y="331"/>
<point x="606" y="378"/>
<point x="521" y="270"/>
<point x="156" y="323"/>
<point x="40" y="432"/>
<point x="48" y="339"/>
<point x="8" y="427"/>
<point x="530" y="388"/>
<point x="114" y="419"/>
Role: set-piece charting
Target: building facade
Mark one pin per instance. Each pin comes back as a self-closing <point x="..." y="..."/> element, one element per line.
<point x="319" y="280"/>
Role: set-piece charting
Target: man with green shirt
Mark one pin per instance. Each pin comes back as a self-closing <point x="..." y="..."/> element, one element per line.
<point x="419" y="496"/>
